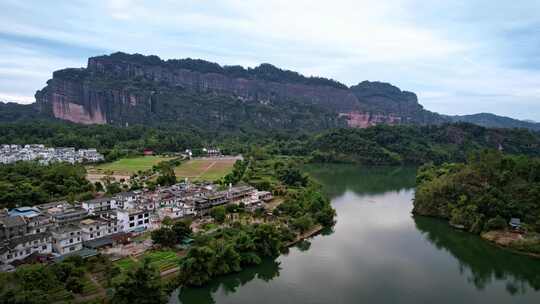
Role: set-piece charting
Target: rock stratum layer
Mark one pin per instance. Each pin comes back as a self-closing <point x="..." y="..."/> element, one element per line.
<point x="126" y="89"/>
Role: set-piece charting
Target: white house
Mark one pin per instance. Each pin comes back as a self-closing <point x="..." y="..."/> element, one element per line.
<point x="21" y="247"/>
<point x="99" y="205"/>
<point x="67" y="239"/>
<point x="92" y="229"/>
<point x="133" y="219"/>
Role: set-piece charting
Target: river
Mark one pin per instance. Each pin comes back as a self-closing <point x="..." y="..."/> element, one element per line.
<point x="379" y="253"/>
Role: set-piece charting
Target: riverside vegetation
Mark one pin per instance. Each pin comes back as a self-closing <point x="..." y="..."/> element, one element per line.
<point x="239" y="239"/>
<point x="483" y="194"/>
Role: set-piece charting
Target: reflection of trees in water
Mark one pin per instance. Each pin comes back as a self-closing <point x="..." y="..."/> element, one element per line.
<point x="485" y="262"/>
<point x="266" y="271"/>
<point x="339" y="178"/>
<point x="303" y="245"/>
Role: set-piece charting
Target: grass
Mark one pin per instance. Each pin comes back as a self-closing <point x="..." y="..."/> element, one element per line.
<point x="204" y="169"/>
<point x="126" y="264"/>
<point x="131" y="165"/>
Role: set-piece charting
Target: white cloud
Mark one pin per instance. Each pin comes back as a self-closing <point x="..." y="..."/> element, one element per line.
<point x="450" y="52"/>
<point x="16" y="98"/>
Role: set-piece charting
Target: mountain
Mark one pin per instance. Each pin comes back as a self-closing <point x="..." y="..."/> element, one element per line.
<point x="494" y="121"/>
<point x="125" y="89"/>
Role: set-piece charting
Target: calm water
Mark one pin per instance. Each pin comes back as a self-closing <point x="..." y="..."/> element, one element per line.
<point x="378" y="253"/>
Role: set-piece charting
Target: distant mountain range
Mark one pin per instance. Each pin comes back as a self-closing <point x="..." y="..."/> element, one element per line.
<point x="494" y="121"/>
<point x="123" y="89"/>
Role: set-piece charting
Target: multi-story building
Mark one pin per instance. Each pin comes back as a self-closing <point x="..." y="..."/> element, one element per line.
<point x="66" y="239"/>
<point x="125" y="200"/>
<point x="99" y="205"/>
<point x="67" y="214"/>
<point x="40" y="223"/>
<point x="131" y="220"/>
<point x="12" y="227"/>
<point x="241" y="193"/>
<point x="21" y="247"/>
<point x="96" y="228"/>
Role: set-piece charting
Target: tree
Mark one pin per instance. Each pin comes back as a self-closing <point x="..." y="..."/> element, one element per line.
<point x="74" y="284"/>
<point x="293" y="177"/>
<point x="198" y="266"/>
<point x="227" y="259"/>
<point x="164" y="236"/>
<point x="231" y="208"/>
<point x="267" y="240"/>
<point x="141" y="286"/>
<point x="166" y="222"/>
<point x="167" y="176"/>
<point x="303" y="223"/>
<point x="182" y="230"/>
<point x="113" y="188"/>
<point x="99" y="186"/>
<point x="218" y="214"/>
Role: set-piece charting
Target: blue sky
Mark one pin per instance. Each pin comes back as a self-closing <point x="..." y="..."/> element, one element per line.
<point x="460" y="57"/>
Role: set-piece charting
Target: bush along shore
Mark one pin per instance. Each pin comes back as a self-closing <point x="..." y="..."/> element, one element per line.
<point x="187" y="254"/>
<point x="494" y="195"/>
<point x="240" y="240"/>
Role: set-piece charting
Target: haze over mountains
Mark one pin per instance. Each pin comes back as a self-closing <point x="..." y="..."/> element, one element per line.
<point x="124" y="89"/>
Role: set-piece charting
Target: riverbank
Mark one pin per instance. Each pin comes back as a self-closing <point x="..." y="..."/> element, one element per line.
<point x="515" y="242"/>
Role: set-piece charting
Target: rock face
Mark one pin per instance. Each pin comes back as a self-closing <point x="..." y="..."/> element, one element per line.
<point x="122" y="89"/>
<point x="71" y="100"/>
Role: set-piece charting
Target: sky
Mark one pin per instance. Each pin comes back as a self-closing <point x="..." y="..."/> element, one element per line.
<point x="458" y="56"/>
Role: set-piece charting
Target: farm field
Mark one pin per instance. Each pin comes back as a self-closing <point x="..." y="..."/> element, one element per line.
<point x="208" y="169"/>
<point x="128" y="166"/>
<point x="162" y="260"/>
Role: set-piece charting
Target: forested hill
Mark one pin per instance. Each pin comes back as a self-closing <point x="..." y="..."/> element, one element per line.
<point x="379" y="145"/>
<point x="484" y="193"/>
<point x="385" y="145"/>
<point x="494" y="121"/>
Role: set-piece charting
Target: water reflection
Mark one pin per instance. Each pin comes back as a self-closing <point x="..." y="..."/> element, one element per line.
<point x="482" y="263"/>
<point x="377" y="252"/>
<point x="266" y="271"/>
<point x="339" y="178"/>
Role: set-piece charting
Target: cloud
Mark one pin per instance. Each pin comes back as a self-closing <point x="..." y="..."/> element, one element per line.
<point x="460" y="56"/>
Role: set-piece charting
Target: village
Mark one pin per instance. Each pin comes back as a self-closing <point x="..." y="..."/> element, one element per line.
<point x="13" y="153"/>
<point x="110" y="225"/>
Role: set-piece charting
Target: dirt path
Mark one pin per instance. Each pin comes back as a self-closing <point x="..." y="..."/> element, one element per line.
<point x="206" y="169"/>
<point x="169" y="271"/>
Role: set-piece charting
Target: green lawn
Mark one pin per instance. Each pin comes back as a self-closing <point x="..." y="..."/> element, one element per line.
<point x="204" y="169"/>
<point x="132" y="165"/>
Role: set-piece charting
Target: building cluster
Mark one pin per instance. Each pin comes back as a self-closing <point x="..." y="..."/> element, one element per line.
<point x="13" y="153"/>
<point x="204" y="152"/>
<point x="52" y="230"/>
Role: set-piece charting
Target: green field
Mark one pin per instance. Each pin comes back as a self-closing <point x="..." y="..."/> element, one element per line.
<point x="132" y="165"/>
<point x="204" y="169"/>
<point x="162" y="260"/>
<point x="126" y="264"/>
